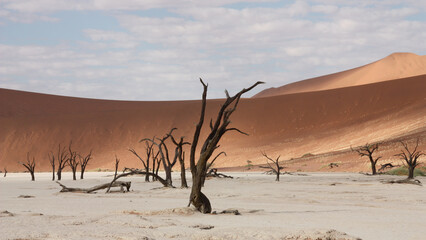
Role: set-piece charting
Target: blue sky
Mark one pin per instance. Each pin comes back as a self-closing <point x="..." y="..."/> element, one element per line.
<point x="157" y="50"/>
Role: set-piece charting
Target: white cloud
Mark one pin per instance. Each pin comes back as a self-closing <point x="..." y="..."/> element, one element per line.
<point x="152" y="58"/>
<point x="111" y="39"/>
<point x="33" y="6"/>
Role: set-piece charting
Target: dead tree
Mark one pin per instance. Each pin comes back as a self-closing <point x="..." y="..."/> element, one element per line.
<point x="155" y="165"/>
<point x="180" y="155"/>
<point x="275" y="168"/>
<point x="367" y="150"/>
<point x="52" y="163"/>
<point x="217" y="130"/>
<point x="72" y="162"/>
<point x="410" y="158"/>
<point x="164" y="155"/>
<point x="62" y="159"/>
<point x="83" y="163"/>
<point x="30" y="166"/>
<point x="148" y="153"/>
<point x="117" y="161"/>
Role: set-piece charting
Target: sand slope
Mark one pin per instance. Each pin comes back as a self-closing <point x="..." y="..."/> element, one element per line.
<point x="394" y="66"/>
<point x="290" y="125"/>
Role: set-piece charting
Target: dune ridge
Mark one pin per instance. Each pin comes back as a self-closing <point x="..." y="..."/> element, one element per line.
<point x="394" y="66"/>
<point x="290" y="125"/>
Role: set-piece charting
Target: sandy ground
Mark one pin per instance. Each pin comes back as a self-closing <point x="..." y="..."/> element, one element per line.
<point x="318" y="205"/>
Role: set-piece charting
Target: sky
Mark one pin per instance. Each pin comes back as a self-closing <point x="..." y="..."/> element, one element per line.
<point x="158" y="49"/>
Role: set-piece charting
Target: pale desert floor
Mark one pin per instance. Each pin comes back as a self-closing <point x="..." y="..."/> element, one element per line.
<point x="297" y="207"/>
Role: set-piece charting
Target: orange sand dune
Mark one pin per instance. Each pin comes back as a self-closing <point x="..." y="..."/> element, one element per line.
<point x="288" y="125"/>
<point x="394" y="66"/>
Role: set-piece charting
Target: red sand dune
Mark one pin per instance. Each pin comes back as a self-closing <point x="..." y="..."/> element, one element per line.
<point x="288" y="125"/>
<point x="394" y="66"/>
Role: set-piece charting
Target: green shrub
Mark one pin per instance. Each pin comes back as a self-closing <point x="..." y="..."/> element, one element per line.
<point x="249" y="164"/>
<point x="403" y="171"/>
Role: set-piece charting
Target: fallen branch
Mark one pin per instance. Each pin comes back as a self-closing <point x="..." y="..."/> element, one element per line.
<point x="136" y="172"/>
<point x="213" y="173"/>
<point x="97" y="187"/>
<point x="386" y="165"/>
<point x="406" y="181"/>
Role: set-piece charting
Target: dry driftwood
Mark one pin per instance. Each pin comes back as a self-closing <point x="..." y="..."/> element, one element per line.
<point x="213" y="173"/>
<point x="387" y="165"/>
<point x="136" y="172"/>
<point x="406" y="181"/>
<point x="120" y="184"/>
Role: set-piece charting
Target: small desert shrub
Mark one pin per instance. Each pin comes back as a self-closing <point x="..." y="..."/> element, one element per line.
<point x="307" y="155"/>
<point x="402" y="171"/>
<point x="249" y="164"/>
<point x="333" y="164"/>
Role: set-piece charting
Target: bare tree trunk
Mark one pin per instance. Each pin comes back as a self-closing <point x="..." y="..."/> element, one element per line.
<point x="62" y="161"/>
<point x="52" y="163"/>
<point x="180" y="154"/>
<point x="183" y="183"/>
<point x="217" y="130"/>
<point x="167" y="167"/>
<point x="72" y="162"/>
<point x="373" y="167"/>
<point x="154" y="168"/>
<point x="197" y="198"/>
<point x="30" y="166"/>
<point x="117" y="161"/>
<point x="83" y="163"/>
<point x="410" y="172"/>
<point x="53" y="172"/>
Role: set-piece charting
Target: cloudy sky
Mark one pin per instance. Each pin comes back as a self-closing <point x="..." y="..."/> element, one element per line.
<point x="157" y="49"/>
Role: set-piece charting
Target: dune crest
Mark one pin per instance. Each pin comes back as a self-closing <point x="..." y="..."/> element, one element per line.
<point x="394" y="66"/>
